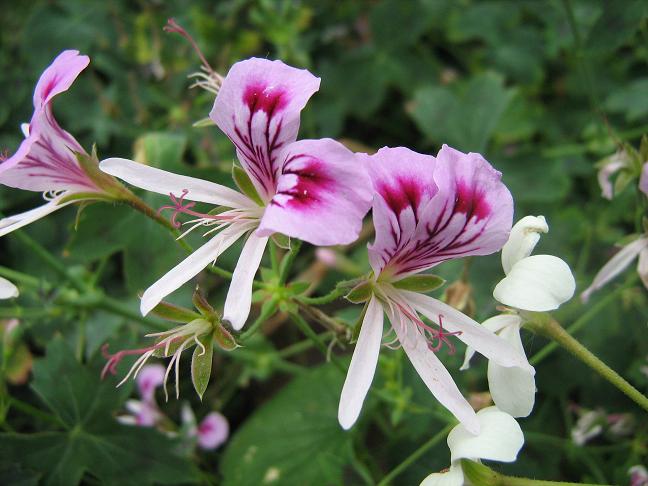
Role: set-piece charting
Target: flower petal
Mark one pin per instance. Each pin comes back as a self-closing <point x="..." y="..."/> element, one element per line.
<point x="500" y="438"/>
<point x="642" y="266"/>
<point x="617" y="264"/>
<point x="213" y="431"/>
<point x="7" y="289"/>
<point x="452" y="477"/>
<point x="239" y="296"/>
<point x="494" y="324"/>
<point x="363" y="365"/>
<point x="537" y="283"/>
<point x="524" y="236"/>
<point x="148" y="379"/>
<point x="163" y="182"/>
<point x="470" y="214"/>
<point x="323" y="193"/>
<point x="643" y="180"/>
<point x="258" y="107"/>
<point x="432" y="371"/>
<point x="513" y="389"/>
<point x="190" y="266"/>
<point x="11" y="223"/>
<point x="472" y="333"/>
<point x="59" y="76"/>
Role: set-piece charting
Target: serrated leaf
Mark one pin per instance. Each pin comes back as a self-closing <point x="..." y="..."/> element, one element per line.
<point x="174" y="313"/>
<point x="201" y="364"/>
<point x="360" y="293"/>
<point x="420" y="283"/>
<point x="244" y="183"/>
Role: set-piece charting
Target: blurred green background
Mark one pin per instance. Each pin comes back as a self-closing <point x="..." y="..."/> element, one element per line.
<point x="545" y="89"/>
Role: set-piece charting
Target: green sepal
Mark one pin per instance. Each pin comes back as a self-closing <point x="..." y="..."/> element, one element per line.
<point x="281" y="240"/>
<point x="244" y="183"/>
<point x="224" y="339"/>
<point x="174" y="313"/>
<point x="201" y="364"/>
<point x="267" y="275"/>
<point x="360" y="293"/>
<point x="112" y="188"/>
<point x="201" y="304"/>
<point x="622" y="181"/>
<point x="86" y="196"/>
<point x="358" y="324"/>
<point x="297" y="288"/>
<point x="477" y="473"/>
<point x="420" y="283"/>
<point x="205" y="122"/>
<point x="77" y="218"/>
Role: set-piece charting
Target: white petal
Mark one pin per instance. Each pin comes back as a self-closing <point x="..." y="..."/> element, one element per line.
<point x="500" y="438"/>
<point x="537" y="283"/>
<point x="494" y="324"/>
<point x="452" y="477"/>
<point x="7" y="289"/>
<point x="617" y="264"/>
<point x="522" y="240"/>
<point x="239" y="296"/>
<point x="513" y="389"/>
<point x="12" y="223"/>
<point x="24" y="128"/>
<point x="472" y="333"/>
<point x="190" y="267"/>
<point x="642" y="266"/>
<point x="363" y="365"/>
<point x="432" y="371"/>
<point x="163" y="182"/>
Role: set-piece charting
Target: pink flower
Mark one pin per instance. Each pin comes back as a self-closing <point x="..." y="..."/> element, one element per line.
<point x="149" y="378"/>
<point x="46" y="160"/>
<point x="213" y="431"/>
<point x="427" y="210"/>
<point x="315" y="190"/>
<point x="145" y="413"/>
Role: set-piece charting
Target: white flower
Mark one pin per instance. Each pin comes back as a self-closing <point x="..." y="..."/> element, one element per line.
<point x="7" y="289"/>
<point x="536" y="283"/>
<point x="500" y="439"/>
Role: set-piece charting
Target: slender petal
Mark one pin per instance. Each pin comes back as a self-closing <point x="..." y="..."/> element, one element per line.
<point x="612" y="165"/>
<point x="494" y="324"/>
<point x="499" y="439"/>
<point x="239" y="296"/>
<point x="452" y="477"/>
<point x="537" y="283"/>
<point x="191" y="266"/>
<point x="163" y="182"/>
<point x="513" y="389"/>
<point x="432" y="371"/>
<point x="643" y="181"/>
<point x="213" y="431"/>
<point x="642" y="266"/>
<point x="323" y="193"/>
<point x="470" y="214"/>
<point x="7" y="289"/>
<point x="363" y="365"/>
<point x="524" y="236"/>
<point x="12" y="223"/>
<point x="617" y="264"/>
<point x="148" y="379"/>
<point x="472" y="333"/>
<point x="258" y="108"/>
<point x="59" y="76"/>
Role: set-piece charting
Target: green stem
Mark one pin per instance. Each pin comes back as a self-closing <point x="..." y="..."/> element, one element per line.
<point x="302" y="346"/>
<point x="115" y="307"/>
<point x="340" y="289"/>
<point x="414" y="456"/>
<point x="550" y="328"/>
<point x="27" y="313"/>
<point x="266" y="311"/>
<point x="319" y="344"/>
<point x="287" y="261"/>
<point x="592" y="312"/>
<point x="20" y="277"/>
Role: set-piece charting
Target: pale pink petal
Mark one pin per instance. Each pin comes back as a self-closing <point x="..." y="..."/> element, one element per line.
<point x="470" y="214"/>
<point x="494" y="324"/>
<point x="190" y="266"/>
<point x="12" y="223"/>
<point x="163" y="182"/>
<point x="472" y="333"/>
<point x="323" y="193"/>
<point x="258" y="108"/>
<point x="7" y="289"/>
<point x="239" y="296"/>
<point x="148" y="379"/>
<point x="614" y="163"/>
<point x="643" y="181"/>
<point x="642" y="266"/>
<point x="617" y="264"/>
<point x="524" y="236"/>
<point x="363" y="365"/>
<point x="213" y="431"/>
<point x="432" y="371"/>
<point x="59" y="76"/>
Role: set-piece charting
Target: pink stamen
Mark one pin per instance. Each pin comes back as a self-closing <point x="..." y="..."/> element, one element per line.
<point x="114" y="359"/>
<point x="431" y="334"/>
<point x="179" y="207"/>
<point x="173" y="26"/>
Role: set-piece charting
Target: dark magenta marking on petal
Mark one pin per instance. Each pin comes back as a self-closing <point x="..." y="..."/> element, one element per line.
<point x="259" y="97"/>
<point x="406" y="192"/>
<point x="471" y="202"/>
<point x="312" y="182"/>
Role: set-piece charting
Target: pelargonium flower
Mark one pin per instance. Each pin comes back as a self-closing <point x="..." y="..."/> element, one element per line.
<point x="7" y="289"/>
<point x="50" y="160"/>
<point x="145" y="412"/>
<point x="500" y="439"/>
<point x="210" y="433"/>
<point x="536" y="283"/>
<point x="427" y="210"/>
<point x="314" y="190"/>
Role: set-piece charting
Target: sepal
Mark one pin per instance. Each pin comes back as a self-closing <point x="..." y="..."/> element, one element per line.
<point x="174" y="313"/>
<point x="360" y="293"/>
<point x="244" y="183"/>
<point x="420" y="283"/>
<point x="201" y="364"/>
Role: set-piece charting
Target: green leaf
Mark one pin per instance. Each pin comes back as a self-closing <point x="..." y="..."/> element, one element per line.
<point x="295" y="438"/>
<point x="91" y="440"/>
<point x="201" y="364"/>
<point x="244" y="183"/>
<point x="360" y="293"/>
<point x="420" y="283"/>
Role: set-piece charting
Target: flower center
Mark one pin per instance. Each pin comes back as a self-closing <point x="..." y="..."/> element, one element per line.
<point x="435" y="338"/>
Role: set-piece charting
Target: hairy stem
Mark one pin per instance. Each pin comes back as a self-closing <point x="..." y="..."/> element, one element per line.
<point x="319" y="344"/>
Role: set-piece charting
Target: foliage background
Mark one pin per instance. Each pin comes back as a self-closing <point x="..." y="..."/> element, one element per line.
<point x="544" y="88"/>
